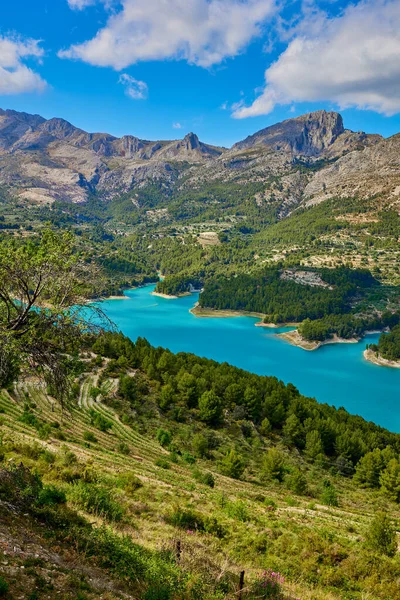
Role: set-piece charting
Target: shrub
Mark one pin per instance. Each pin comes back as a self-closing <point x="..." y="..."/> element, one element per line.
<point x="50" y="496"/>
<point x="188" y="458"/>
<point x="129" y="482"/>
<point x="164" y="464"/>
<point x="296" y="482"/>
<point x="210" y="408"/>
<point x="88" y="436"/>
<point x="265" y="427"/>
<point x="233" y="464"/>
<point x="96" y="500"/>
<point x="329" y="494"/>
<point x="3" y="586"/>
<point x="273" y="464"/>
<point x="164" y="437"/>
<point x="269" y="585"/>
<point x="185" y="519"/>
<point x="123" y="448"/>
<point x="200" y="445"/>
<point x="100" y="422"/>
<point x="158" y="592"/>
<point x="205" y="478"/>
<point x="238" y="510"/>
<point x="381" y="535"/>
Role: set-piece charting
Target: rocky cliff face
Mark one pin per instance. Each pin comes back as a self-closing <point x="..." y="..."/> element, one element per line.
<point x="46" y="160"/>
<point x="311" y="135"/>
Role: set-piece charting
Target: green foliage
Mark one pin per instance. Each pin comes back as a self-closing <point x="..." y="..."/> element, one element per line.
<point x="50" y="495"/>
<point x="210" y="408"/>
<point x="185" y="519"/>
<point x="329" y="494"/>
<point x="390" y="480"/>
<point x="314" y="447"/>
<point x="95" y="499"/>
<point x="282" y="299"/>
<point x="89" y="436"/>
<point x="381" y="535"/>
<point x="200" y="445"/>
<point x="273" y="464"/>
<point x="206" y="478"/>
<point x="296" y="482"/>
<point x="129" y="482"/>
<point x="164" y="437"/>
<point x="99" y="421"/>
<point x="3" y="587"/>
<point x="389" y="344"/>
<point x="233" y="464"/>
<point x="269" y="585"/>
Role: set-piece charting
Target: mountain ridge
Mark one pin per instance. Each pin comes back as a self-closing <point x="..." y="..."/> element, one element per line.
<point x="47" y="160"/>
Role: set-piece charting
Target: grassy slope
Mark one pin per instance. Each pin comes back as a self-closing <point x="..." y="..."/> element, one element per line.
<point x="316" y="546"/>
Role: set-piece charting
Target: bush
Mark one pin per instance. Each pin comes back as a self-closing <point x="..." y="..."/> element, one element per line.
<point x="123" y="448"/>
<point x="88" y="436"/>
<point x="296" y="482"/>
<point x="188" y="458"/>
<point x="164" y="464"/>
<point x="186" y="519"/>
<point x="205" y="478"/>
<point x="96" y="500"/>
<point x="200" y="445"/>
<point x="381" y="535"/>
<point x="273" y="465"/>
<point x="329" y="495"/>
<point x="3" y="586"/>
<point x="129" y="482"/>
<point x="100" y="422"/>
<point x="164" y="437"/>
<point x="269" y="585"/>
<point x="50" y="496"/>
<point x="158" y="592"/>
<point x="233" y="464"/>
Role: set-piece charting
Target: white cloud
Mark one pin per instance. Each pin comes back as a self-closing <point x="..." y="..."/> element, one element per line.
<point x="15" y="76"/>
<point x="352" y="60"/>
<point x="177" y="125"/>
<point x="202" y="32"/>
<point x="80" y="4"/>
<point x="135" y="89"/>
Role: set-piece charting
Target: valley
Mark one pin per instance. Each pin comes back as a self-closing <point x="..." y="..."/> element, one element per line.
<point x="149" y="450"/>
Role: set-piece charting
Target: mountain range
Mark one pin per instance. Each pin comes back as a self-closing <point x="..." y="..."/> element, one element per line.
<point x="301" y="160"/>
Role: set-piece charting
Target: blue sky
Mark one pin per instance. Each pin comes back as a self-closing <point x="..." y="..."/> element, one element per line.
<point x="222" y="68"/>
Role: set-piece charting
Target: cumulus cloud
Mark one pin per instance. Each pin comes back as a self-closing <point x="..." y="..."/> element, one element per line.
<point x="351" y="60"/>
<point x="15" y="76"/>
<point x="177" y="125"/>
<point x="135" y="89"/>
<point x="202" y="32"/>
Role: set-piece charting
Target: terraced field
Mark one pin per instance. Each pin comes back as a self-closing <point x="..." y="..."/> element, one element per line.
<point x="255" y="527"/>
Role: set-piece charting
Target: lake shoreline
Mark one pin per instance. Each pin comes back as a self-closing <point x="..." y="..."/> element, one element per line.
<point x="295" y="339"/>
<point x="375" y="359"/>
<point x="212" y="313"/>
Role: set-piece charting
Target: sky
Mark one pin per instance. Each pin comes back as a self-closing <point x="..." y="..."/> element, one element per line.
<point x="224" y="69"/>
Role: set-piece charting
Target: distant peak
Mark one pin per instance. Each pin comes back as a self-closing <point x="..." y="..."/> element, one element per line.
<point x="191" y="141"/>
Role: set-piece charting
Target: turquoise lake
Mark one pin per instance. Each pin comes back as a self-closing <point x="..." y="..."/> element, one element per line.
<point x="337" y="374"/>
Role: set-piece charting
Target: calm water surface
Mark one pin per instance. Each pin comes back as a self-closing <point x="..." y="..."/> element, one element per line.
<point x="337" y="373"/>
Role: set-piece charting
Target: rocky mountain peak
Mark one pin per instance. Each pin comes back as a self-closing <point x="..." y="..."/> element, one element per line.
<point x="60" y="128"/>
<point x="191" y="141"/>
<point x="307" y="135"/>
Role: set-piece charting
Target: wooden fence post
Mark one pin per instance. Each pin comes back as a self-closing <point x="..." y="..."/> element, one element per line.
<point x="241" y="585"/>
<point x="178" y="550"/>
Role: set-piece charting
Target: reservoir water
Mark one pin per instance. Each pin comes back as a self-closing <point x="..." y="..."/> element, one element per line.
<point x="337" y="374"/>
